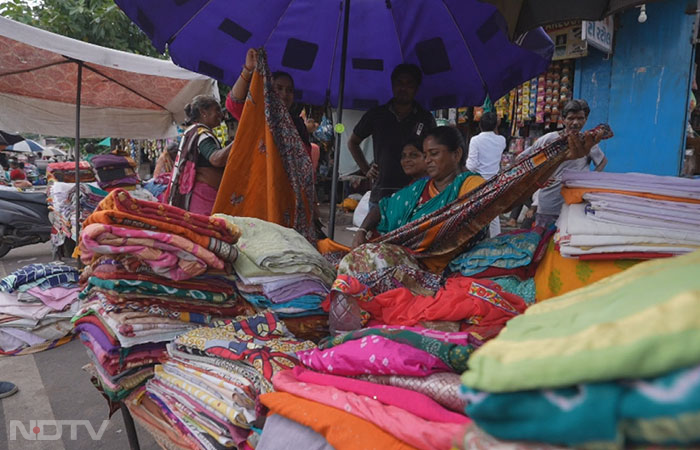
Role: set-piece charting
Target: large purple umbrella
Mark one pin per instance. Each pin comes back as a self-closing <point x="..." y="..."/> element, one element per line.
<point x="462" y="46"/>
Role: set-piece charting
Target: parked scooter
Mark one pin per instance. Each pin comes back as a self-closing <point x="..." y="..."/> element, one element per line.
<point x="24" y="219"/>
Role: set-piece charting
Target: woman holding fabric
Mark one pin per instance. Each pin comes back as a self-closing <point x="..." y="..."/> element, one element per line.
<point x="269" y="173"/>
<point x="282" y="84"/>
<point x="444" y="157"/>
<point x="200" y="163"/>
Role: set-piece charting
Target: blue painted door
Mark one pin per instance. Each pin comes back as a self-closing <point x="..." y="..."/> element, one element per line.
<point x="649" y="90"/>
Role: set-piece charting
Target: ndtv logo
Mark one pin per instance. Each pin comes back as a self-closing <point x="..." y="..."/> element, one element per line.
<point x="52" y="430"/>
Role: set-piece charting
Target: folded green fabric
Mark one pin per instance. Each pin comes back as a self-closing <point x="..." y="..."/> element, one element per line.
<point x="639" y="323"/>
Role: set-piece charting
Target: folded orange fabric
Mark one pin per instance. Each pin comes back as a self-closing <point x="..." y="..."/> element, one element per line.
<point x="341" y="429"/>
<point x="557" y="275"/>
<point x="480" y="302"/>
<point x="575" y="195"/>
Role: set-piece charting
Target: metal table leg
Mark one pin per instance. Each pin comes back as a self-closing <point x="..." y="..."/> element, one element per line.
<point x="130" y="428"/>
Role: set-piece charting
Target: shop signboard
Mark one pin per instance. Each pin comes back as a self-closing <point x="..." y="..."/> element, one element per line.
<point x="599" y="34"/>
<point x="567" y="40"/>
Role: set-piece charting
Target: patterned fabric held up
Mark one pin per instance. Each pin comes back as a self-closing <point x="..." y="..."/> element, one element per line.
<point x="260" y="340"/>
<point x="280" y="185"/>
<point x="448" y="229"/>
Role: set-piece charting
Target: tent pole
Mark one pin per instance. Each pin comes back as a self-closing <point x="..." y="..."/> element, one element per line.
<point x="338" y="136"/>
<point x="77" y="154"/>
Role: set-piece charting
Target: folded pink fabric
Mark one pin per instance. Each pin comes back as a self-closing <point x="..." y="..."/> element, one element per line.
<point x="414" y="402"/>
<point x="375" y="356"/>
<point x="57" y="297"/>
<point x="168" y="255"/>
<point x="413" y="430"/>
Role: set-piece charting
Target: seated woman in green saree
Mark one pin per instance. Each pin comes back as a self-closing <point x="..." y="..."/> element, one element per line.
<point x="445" y="163"/>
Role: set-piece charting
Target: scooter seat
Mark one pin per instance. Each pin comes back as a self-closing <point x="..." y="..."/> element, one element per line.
<point x="17" y="196"/>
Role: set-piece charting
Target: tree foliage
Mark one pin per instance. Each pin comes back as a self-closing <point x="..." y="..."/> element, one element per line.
<point x="98" y="22"/>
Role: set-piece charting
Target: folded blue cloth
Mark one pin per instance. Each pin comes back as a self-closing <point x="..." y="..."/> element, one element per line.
<point x="661" y="411"/>
<point x="34" y="272"/>
<point x="506" y="251"/>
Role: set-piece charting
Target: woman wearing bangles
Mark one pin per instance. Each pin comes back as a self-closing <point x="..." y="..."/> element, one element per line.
<point x="283" y="85"/>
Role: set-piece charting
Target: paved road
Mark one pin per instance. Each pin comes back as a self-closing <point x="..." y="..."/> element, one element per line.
<point x="53" y="387"/>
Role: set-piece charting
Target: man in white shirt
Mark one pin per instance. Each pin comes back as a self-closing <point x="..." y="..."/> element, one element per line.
<point x="575" y="115"/>
<point x="485" y="150"/>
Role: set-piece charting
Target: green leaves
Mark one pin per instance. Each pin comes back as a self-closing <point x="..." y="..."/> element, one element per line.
<point x="98" y="22"/>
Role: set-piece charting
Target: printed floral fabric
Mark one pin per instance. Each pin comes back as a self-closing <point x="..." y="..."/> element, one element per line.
<point x="148" y="288"/>
<point x="382" y="267"/>
<point x="260" y="340"/>
<point x="167" y="254"/>
<point x="452" y="354"/>
<point x="372" y="355"/>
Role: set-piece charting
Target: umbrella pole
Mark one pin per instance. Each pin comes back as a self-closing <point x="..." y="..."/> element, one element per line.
<point x="77" y="154"/>
<point x="338" y="136"/>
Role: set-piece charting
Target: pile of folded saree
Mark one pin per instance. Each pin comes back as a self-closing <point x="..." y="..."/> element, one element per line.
<point x="628" y="216"/>
<point x="278" y="269"/>
<point x="64" y="172"/>
<point x="206" y="392"/>
<point x="62" y="208"/>
<point x="153" y="272"/>
<point x="36" y="305"/>
<point x="115" y="171"/>
<point x="611" y="365"/>
<point x="393" y="383"/>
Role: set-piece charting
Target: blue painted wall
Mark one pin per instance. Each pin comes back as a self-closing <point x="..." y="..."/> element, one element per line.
<point x="642" y="91"/>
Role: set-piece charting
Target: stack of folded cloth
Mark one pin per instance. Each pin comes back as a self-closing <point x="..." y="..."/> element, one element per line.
<point x="509" y="259"/>
<point x="65" y="172"/>
<point x="393" y="384"/>
<point x="36" y="305"/>
<point x="628" y="215"/>
<point x="278" y="269"/>
<point x="206" y="392"/>
<point x="62" y="208"/>
<point x="612" y="365"/>
<point x="153" y="272"/>
<point x="114" y="171"/>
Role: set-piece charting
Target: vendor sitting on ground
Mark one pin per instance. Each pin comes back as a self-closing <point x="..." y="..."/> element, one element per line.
<point x="197" y="175"/>
<point x="445" y="159"/>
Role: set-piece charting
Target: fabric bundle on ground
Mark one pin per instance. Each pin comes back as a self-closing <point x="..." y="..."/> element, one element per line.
<point x="278" y="269"/>
<point x="209" y="385"/>
<point x="113" y="171"/>
<point x="628" y="215"/>
<point x="62" y="207"/>
<point x="36" y="306"/>
<point x="614" y="363"/>
<point x="146" y="282"/>
<point x="64" y="172"/>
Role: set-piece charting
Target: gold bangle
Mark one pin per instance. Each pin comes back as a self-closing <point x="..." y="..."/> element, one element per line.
<point x="244" y="78"/>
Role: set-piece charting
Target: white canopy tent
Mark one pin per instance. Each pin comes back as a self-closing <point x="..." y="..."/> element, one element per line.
<point x="123" y="95"/>
<point x="55" y="85"/>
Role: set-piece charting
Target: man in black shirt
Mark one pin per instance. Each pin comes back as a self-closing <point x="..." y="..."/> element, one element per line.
<point x="391" y="127"/>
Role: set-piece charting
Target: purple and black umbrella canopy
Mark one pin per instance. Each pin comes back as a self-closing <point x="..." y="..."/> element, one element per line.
<point x="462" y="46"/>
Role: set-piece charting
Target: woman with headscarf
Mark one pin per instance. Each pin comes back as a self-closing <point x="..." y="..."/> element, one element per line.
<point x="200" y="162"/>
